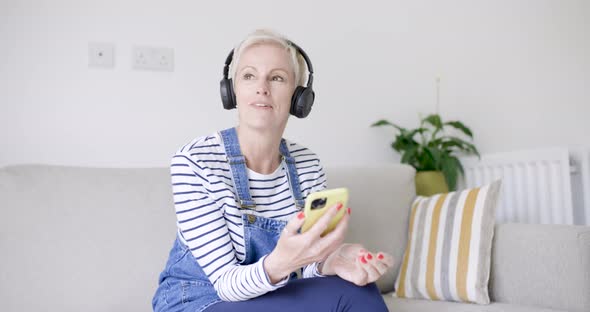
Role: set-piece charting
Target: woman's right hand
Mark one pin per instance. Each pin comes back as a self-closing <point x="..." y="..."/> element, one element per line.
<point x="295" y="250"/>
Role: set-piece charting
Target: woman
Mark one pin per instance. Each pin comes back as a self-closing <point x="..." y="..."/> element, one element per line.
<point x="238" y="197"/>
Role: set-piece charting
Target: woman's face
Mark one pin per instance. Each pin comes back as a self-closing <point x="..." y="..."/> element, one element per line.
<point x="264" y="84"/>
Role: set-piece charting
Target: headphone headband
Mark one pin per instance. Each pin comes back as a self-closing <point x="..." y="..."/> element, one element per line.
<point x="227" y="62"/>
<point x="309" y="83"/>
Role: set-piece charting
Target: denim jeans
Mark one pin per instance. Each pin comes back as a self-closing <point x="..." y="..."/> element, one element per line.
<point x="183" y="284"/>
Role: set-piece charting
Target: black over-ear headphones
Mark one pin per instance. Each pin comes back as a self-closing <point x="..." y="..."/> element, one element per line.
<point x="301" y="101"/>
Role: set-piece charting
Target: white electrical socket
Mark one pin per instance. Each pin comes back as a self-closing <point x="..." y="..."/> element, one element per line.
<point x="153" y="58"/>
<point x="101" y="55"/>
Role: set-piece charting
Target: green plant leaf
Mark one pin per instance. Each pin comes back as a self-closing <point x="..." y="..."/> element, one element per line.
<point x="468" y="148"/>
<point x="451" y="145"/>
<point x="426" y="160"/>
<point x="436" y="156"/>
<point x="384" y="122"/>
<point x="413" y="132"/>
<point x="450" y="171"/>
<point x="460" y="126"/>
<point x="434" y="120"/>
<point x="458" y="164"/>
<point x="409" y="156"/>
<point x="453" y="142"/>
<point x="402" y="143"/>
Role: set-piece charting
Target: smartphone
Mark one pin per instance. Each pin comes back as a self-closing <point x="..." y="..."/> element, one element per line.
<point x="316" y="204"/>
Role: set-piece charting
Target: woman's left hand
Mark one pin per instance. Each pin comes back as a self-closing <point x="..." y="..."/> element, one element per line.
<point x="355" y="264"/>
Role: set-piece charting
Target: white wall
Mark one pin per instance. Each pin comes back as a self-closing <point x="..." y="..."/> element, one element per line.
<point x="516" y="72"/>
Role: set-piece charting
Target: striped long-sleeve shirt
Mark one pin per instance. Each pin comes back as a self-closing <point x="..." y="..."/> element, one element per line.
<point x="209" y="220"/>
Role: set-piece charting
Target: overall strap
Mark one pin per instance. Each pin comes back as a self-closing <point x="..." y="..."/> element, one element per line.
<point x="292" y="175"/>
<point x="237" y="165"/>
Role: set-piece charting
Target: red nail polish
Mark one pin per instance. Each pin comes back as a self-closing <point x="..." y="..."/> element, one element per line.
<point x="363" y="260"/>
<point x="380" y="256"/>
<point x="369" y="256"/>
<point x="301" y="215"/>
<point x="348" y="210"/>
<point x="339" y="206"/>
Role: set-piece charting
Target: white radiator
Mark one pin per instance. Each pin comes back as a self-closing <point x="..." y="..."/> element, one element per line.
<point x="549" y="186"/>
<point x="580" y="157"/>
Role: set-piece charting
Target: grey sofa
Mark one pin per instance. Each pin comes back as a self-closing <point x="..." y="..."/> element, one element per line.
<point x="95" y="239"/>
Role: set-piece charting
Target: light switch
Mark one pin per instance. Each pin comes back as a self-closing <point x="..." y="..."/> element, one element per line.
<point x="153" y="58"/>
<point x="101" y="55"/>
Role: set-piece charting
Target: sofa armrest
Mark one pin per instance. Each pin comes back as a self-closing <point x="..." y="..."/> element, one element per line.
<point x="541" y="265"/>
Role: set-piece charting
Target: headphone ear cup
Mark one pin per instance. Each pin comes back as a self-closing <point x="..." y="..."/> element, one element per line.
<point x="295" y="100"/>
<point x="302" y="101"/>
<point x="228" y="98"/>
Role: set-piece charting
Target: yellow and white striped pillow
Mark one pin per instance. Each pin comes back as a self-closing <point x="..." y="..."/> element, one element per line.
<point x="448" y="253"/>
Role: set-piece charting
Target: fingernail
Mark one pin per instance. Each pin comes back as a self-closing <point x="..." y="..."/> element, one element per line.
<point x="363" y="260"/>
<point x="362" y="250"/>
<point x="369" y="256"/>
<point x="348" y="210"/>
<point x="339" y="206"/>
<point x="380" y="256"/>
<point x="301" y="215"/>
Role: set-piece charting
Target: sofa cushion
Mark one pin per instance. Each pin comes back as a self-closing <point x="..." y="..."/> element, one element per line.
<point x="420" y="305"/>
<point x="380" y="199"/>
<point x="448" y="253"/>
<point x="83" y="239"/>
<point x="542" y="265"/>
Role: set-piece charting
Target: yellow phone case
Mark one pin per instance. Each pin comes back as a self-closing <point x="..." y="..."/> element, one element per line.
<point x="325" y="199"/>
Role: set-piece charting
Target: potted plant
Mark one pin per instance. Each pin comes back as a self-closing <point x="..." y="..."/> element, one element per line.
<point x="433" y="154"/>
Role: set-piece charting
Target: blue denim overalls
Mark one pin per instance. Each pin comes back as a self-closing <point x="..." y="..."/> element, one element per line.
<point x="183" y="286"/>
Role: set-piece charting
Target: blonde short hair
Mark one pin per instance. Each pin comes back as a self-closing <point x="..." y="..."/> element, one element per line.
<point x="261" y="36"/>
